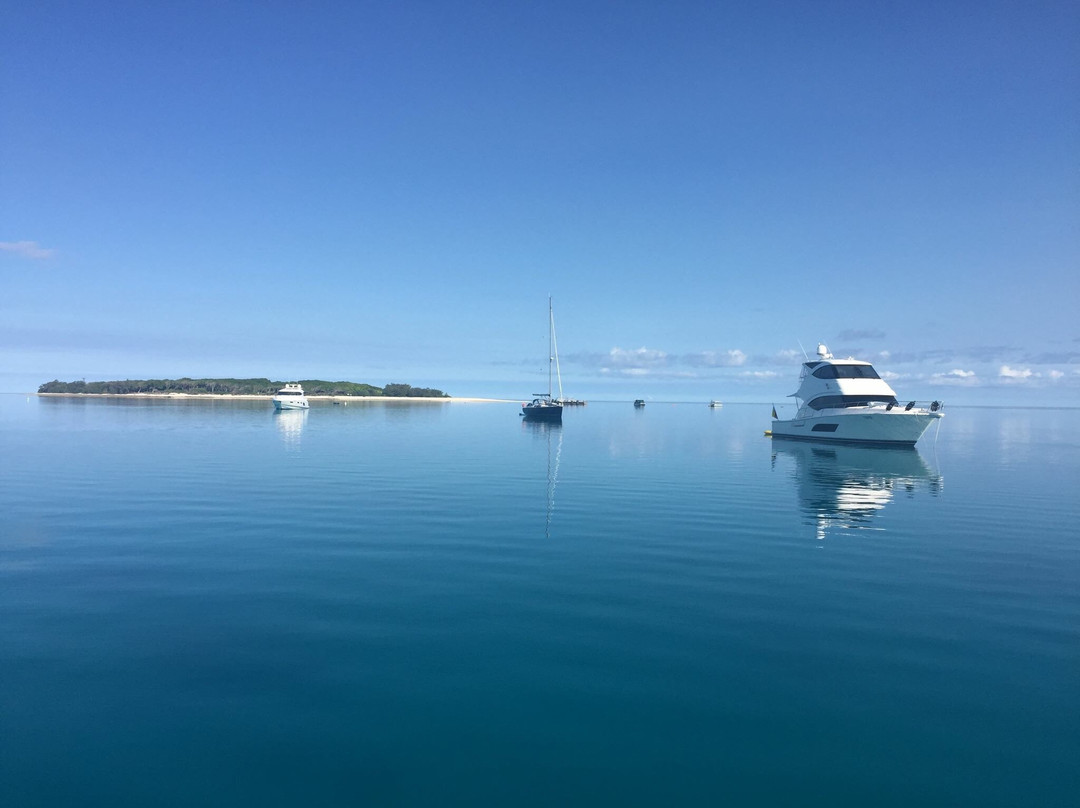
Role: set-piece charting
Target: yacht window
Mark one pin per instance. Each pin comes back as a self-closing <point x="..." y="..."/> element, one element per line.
<point x="830" y="402"/>
<point x="846" y="372"/>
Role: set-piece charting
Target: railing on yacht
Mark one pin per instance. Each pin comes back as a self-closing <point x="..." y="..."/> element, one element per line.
<point x="919" y="406"/>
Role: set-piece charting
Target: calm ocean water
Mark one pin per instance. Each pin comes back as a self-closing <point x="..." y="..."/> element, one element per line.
<point x="207" y="603"/>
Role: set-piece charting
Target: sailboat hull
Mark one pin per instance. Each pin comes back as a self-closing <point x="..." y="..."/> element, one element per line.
<point x="542" y="411"/>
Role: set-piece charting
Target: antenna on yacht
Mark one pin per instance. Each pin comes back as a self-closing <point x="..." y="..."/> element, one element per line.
<point x="801" y="348"/>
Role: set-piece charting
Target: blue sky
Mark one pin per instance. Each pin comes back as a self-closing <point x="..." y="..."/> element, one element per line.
<point x="389" y="191"/>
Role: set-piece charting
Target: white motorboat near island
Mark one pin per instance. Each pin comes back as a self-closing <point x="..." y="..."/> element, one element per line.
<point x="846" y="401"/>
<point x="291" y="397"/>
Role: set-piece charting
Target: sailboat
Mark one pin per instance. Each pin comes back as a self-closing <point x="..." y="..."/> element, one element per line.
<point x="543" y="407"/>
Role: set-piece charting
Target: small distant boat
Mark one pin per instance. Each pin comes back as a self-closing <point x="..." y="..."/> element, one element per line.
<point x="846" y="401"/>
<point x="639" y="402"/>
<point x="714" y="404"/>
<point x="291" y="397"/>
<point x="543" y="407"/>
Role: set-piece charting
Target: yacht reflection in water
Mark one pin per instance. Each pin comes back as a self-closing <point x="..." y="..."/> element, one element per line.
<point x="551" y="432"/>
<point x="843" y="487"/>
<point x="290" y="424"/>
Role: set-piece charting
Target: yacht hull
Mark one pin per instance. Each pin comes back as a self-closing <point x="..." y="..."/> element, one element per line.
<point x="286" y="404"/>
<point x="893" y="428"/>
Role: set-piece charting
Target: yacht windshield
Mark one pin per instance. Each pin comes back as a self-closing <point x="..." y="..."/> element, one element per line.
<point x="839" y="402"/>
<point x="846" y="372"/>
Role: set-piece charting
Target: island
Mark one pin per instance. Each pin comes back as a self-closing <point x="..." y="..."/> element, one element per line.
<point x="233" y="387"/>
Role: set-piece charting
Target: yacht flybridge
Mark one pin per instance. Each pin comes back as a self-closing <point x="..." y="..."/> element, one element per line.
<point x="845" y="400"/>
<point x="291" y="397"/>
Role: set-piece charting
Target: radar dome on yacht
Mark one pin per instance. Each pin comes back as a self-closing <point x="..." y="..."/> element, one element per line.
<point x="823" y="352"/>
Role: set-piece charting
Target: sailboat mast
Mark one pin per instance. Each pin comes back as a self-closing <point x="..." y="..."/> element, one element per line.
<point x="555" y="344"/>
<point x="551" y="337"/>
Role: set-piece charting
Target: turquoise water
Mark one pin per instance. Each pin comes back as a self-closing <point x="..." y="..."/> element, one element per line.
<point x="205" y="603"/>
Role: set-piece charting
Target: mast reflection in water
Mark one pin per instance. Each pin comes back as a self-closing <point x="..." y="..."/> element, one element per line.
<point x="551" y="431"/>
<point x="843" y="487"/>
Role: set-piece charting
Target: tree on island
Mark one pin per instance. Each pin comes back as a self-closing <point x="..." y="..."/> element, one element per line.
<point x="407" y="391"/>
<point x="237" y="387"/>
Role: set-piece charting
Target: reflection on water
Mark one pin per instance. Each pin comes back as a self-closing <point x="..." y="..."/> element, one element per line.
<point x="552" y="433"/>
<point x="290" y="424"/>
<point x="843" y="487"/>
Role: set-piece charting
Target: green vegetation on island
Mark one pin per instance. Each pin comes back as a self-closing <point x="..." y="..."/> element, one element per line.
<point x="238" y="387"/>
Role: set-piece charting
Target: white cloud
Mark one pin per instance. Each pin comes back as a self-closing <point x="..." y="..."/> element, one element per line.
<point x="1056" y="374"/>
<point x="1007" y="372"/>
<point x="759" y="374"/>
<point x="889" y="376"/>
<point x="27" y="249"/>
<point x="956" y="376"/>
<point x="716" y="359"/>
<point x="637" y="358"/>
<point x="641" y="373"/>
<point x="785" y="358"/>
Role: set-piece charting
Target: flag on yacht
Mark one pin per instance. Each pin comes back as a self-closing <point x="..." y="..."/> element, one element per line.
<point x="774" y="411"/>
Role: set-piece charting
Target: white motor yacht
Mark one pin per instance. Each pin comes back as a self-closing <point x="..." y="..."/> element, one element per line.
<point x="291" y="397"/>
<point x="844" y="400"/>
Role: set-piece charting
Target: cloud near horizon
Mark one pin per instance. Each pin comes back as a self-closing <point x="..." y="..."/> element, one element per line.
<point x="944" y="367"/>
<point x="1018" y="374"/>
<point x="624" y="362"/>
<point x="957" y="376"/>
<point x="656" y="363"/>
<point x="637" y="358"/>
<point x="27" y="249"/>
<point x="716" y="359"/>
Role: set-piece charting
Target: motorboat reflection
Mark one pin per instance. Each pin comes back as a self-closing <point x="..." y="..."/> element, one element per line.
<point x="843" y="487"/>
<point x="550" y="432"/>
<point x="290" y="424"/>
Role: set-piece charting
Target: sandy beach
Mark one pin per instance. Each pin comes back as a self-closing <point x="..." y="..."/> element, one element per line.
<point x="365" y="399"/>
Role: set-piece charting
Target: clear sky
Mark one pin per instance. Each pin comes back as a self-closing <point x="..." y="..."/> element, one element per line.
<point x="389" y="191"/>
